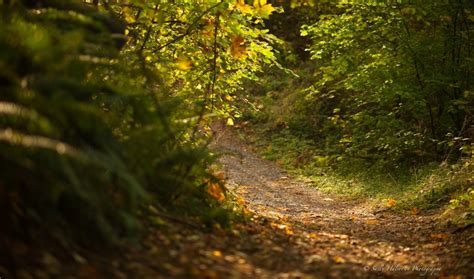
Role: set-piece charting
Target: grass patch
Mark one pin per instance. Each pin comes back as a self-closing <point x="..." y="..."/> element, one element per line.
<point x="425" y="188"/>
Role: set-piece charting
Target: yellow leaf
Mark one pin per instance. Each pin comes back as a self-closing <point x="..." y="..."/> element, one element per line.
<point x="265" y="11"/>
<point x="391" y="202"/>
<point x="278" y="226"/>
<point x="183" y="63"/>
<point x="338" y="259"/>
<point x="313" y="236"/>
<point x="240" y="201"/>
<point x="217" y="253"/>
<point x="371" y="222"/>
<point x="259" y="3"/>
<point x="243" y="7"/>
<point x="230" y="122"/>
<point x="128" y="15"/>
<point x="215" y="191"/>
<point x="247" y="212"/>
<point x="237" y="47"/>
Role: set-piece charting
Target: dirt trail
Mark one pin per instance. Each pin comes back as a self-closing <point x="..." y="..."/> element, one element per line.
<point x="335" y="238"/>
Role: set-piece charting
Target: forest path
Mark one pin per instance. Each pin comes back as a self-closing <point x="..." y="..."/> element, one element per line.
<point x="295" y="231"/>
<point x="329" y="237"/>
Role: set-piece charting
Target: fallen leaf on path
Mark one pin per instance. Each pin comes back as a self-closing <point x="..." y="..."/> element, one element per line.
<point x="248" y="212"/>
<point x="338" y="260"/>
<point x="439" y="235"/>
<point x="391" y="202"/>
<point x="230" y="122"/>
<point x="313" y="236"/>
<point x="215" y="190"/>
<point x="278" y="226"/>
<point x="289" y="231"/>
<point x="240" y="201"/>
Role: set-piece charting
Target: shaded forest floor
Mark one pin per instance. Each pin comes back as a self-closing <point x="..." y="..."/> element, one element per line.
<point x="295" y="232"/>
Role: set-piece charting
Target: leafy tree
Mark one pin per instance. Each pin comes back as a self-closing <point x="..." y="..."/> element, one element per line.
<point x="100" y="105"/>
<point x="395" y="80"/>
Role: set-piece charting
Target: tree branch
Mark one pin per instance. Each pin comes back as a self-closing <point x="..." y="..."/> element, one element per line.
<point x="189" y="29"/>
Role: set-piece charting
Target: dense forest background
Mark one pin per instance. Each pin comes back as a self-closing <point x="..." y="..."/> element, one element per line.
<point x="105" y="107"/>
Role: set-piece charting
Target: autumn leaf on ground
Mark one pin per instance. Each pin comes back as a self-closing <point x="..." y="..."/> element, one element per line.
<point x="313" y="236"/>
<point x="279" y="226"/>
<point x="338" y="260"/>
<point x="439" y="235"/>
<point x="240" y="201"/>
<point x="287" y="229"/>
<point x="215" y="190"/>
<point x="391" y="202"/>
<point x="371" y="222"/>
<point x="247" y="212"/>
<point x="230" y="122"/>
<point x="415" y="211"/>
